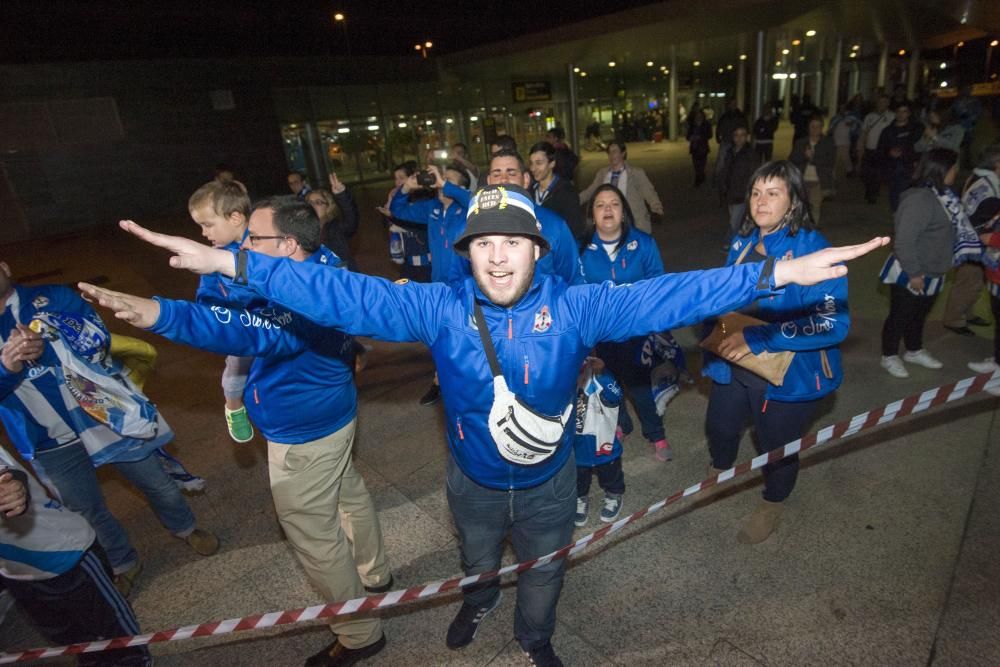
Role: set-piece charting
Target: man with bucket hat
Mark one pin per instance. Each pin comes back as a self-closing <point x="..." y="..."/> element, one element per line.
<point x="508" y="343"/>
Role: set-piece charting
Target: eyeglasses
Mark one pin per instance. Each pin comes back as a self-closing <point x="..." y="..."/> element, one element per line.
<point x="253" y="239"/>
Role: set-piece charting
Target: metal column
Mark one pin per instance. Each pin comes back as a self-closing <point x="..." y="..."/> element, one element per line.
<point x="833" y="100"/>
<point x="818" y="87"/>
<point x="883" y="65"/>
<point x="673" y="103"/>
<point x="741" y="76"/>
<point x="759" y="82"/>
<point x="574" y="115"/>
<point x="912" y="74"/>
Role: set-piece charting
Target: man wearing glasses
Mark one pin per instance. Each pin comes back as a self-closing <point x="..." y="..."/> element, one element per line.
<point x="300" y="394"/>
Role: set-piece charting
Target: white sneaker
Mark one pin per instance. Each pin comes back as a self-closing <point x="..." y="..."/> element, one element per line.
<point x="987" y="365"/>
<point x="922" y="358"/>
<point x="895" y="366"/>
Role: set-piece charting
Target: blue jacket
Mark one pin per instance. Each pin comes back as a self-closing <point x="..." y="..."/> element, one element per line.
<point x="300" y="386"/>
<point x="540" y="341"/>
<point x="810" y="321"/>
<point x="637" y="259"/>
<point x="585" y="444"/>
<point x="562" y="260"/>
<point x="443" y="226"/>
<point x="216" y="290"/>
<point x="37" y="408"/>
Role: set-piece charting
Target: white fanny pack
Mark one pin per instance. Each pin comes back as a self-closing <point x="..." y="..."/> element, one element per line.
<point x="521" y="434"/>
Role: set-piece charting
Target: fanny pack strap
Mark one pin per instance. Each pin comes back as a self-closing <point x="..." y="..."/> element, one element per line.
<point x="484" y="335"/>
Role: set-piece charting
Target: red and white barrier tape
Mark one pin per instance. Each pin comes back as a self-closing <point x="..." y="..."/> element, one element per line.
<point x="902" y="408"/>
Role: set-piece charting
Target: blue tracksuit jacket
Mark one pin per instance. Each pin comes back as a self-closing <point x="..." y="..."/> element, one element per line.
<point x="810" y="321"/>
<point x="540" y="341"/>
<point x="300" y="386"/>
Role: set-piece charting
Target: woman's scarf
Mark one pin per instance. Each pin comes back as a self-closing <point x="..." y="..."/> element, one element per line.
<point x="967" y="247"/>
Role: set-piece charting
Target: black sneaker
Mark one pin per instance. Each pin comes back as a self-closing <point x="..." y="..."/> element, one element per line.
<point x="432" y="396"/>
<point x="463" y="629"/>
<point x="338" y="655"/>
<point x="384" y="588"/>
<point x="544" y="656"/>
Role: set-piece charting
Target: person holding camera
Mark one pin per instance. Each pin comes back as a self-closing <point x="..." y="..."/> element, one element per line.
<point x="445" y="220"/>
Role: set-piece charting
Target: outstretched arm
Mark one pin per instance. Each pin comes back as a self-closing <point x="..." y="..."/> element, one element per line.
<point x="825" y="264"/>
<point x="187" y="253"/>
<point x="136" y="310"/>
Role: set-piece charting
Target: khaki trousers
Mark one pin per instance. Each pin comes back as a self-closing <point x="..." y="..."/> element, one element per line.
<point x="965" y="289"/>
<point x="331" y="523"/>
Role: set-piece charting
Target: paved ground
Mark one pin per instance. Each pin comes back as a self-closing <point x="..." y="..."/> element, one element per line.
<point x="886" y="554"/>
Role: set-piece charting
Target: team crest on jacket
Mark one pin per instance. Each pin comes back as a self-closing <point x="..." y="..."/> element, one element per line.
<point x="632" y="245"/>
<point x="543" y="320"/>
<point x="40" y="301"/>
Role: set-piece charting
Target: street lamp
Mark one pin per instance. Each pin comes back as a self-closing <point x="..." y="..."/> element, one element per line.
<point x="423" y="48"/>
<point x="341" y="18"/>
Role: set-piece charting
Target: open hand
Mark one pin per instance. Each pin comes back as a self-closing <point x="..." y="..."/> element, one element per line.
<point x="188" y="254"/>
<point x="825" y="264"/>
<point x="336" y="187"/>
<point x="136" y="310"/>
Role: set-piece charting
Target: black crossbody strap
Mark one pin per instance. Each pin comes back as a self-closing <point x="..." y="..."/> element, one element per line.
<point x="484" y="335"/>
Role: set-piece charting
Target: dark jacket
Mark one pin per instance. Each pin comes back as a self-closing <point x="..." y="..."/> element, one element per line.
<point x="698" y="137"/>
<point x="823" y="158"/>
<point x="902" y="138"/>
<point x="562" y="199"/>
<point x="736" y="174"/>
<point x="337" y="231"/>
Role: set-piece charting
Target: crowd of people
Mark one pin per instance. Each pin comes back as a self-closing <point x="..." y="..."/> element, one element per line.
<point x="547" y="311"/>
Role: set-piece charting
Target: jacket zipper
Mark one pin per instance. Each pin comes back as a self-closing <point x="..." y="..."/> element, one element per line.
<point x="525" y="369"/>
<point x="458" y="423"/>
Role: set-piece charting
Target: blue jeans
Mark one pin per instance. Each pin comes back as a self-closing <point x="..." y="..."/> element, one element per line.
<point x="70" y="473"/>
<point x="540" y="520"/>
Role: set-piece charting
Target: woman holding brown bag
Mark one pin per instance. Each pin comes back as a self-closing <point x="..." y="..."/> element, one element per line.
<point x="809" y="322"/>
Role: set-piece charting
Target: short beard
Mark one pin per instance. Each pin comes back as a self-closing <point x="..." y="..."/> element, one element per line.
<point x="522" y="289"/>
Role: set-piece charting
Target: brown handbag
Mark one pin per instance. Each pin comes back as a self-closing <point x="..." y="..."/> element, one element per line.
<point x="771" y="366"/>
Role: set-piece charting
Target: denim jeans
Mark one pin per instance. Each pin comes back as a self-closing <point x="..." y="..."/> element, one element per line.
<point x="71" y="475"/>
<point x="610" y="477"/>
<point x="539" y="519"/>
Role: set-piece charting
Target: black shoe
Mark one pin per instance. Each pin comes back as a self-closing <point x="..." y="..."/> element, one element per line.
<point x="961" y="331"/>
<point x="338" y="655"/>
<point x="384" y="588"/>
<point x="432" y="396"/>
<point x="463" y="629"/>
<point x="977" y="321"/>
<point x="544" y="656"/>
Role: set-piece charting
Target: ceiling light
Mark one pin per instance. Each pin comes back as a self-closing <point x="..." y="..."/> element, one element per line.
<point x="576" y="70"/>
<point x="649" y="63"/>
<point x="743" y="56"/>
<point x="784" y="52"/>
<point x="810" y="33"/>
<point x="612" y="63"/>
<point x="696" y="63"/>
<point x="902" y="52"/>
<point x="796" y="42"/>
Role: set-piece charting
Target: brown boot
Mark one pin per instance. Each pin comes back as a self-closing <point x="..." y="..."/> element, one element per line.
<point x="761" y="523"/>
<point x="712" y="491"/>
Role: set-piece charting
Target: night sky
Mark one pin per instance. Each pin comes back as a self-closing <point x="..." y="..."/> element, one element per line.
<point x="61" y="30"/>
